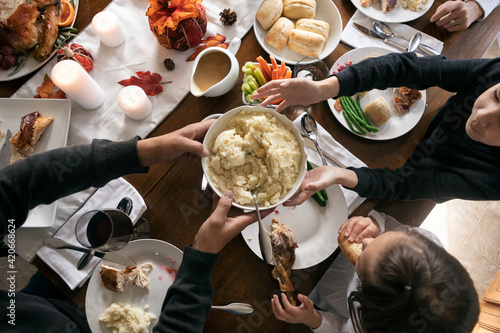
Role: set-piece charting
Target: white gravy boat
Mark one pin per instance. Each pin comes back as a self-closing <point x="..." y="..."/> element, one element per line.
<point x="226" y="83"/>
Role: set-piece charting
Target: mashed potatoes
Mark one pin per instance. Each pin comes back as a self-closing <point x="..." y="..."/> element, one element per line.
<point x="256" y="149"/>
<point x="125" y="318"/>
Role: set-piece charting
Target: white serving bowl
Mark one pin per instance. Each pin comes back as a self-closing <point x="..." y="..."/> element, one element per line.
<point x="220" y="125"/>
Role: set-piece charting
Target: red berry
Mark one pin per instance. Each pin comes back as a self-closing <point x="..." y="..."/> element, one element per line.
<point x="10" y="60"/>
<point x="7" y="50"/>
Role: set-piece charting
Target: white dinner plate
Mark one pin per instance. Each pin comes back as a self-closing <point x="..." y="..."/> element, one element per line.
<point x="325" y="11"/>
<point x="30" y="65"/>
<point x="398" y="124"/>
<point x="166" y="260"/>
<point x="315" y="228"/>
<point x="397" y="15"/>
<point x="54" y="136"/>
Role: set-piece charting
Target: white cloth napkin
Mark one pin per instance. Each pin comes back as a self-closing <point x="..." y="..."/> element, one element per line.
<point x="64" y="261"/>
<point x="140" y="52"/>
<point x="352" y="37"/>
<point x="329" y="144"/>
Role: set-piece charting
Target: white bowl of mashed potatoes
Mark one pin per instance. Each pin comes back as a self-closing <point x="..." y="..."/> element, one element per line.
<point x="253" y="146"/>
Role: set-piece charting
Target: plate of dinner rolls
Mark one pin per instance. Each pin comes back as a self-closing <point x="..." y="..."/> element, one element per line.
<point x="294" y="29"/>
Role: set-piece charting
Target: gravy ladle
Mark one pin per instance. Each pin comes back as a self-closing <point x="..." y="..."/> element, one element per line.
<point x="385" y="31"/>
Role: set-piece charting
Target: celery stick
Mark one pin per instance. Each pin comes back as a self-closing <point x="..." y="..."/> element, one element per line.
<point x="260" y="77"/>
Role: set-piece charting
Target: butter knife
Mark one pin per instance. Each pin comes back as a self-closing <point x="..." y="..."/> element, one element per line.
<point x="373" y="34"/>
<point x="310" y="144"/>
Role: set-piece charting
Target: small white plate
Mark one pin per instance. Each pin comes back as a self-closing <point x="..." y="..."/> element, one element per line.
<point x="325" y="11"/>
<point x="397" y="15"/>
<point x="54" y="136"/>
<point x="397" y="125"/>
<point x="31" y="64"/>
<point x="315" y="228"/>
<point x="166" y="260"/>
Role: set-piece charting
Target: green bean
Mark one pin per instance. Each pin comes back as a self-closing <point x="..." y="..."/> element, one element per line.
<point x="356" y="121"/>
<point x="349" y="123"/>
<point x="348" y="114"/>
<point x="357" y="105"/>
<point x="320" y="196"/>
<point x="360" y="116"/>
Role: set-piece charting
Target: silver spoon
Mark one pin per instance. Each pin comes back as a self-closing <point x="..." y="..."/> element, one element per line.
<point x="309" y="125"/>
<point x="383" y="30"/>
<point x="237" y="308"/>
<point x="414" y="42"/>
<point x="264" y="241"/>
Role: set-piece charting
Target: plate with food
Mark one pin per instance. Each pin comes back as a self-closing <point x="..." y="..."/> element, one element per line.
<point x="393" y="11"/>
<point x="50" y="130"/>
<point x="44" y="30"/>
<point x="393" y="112"/>
<point x="314" y="228"/>
<point x="139" y="290"/>
<point x="311" y="28"/>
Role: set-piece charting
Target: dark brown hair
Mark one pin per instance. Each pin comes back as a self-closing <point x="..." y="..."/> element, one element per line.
<point x="416" y="287"/>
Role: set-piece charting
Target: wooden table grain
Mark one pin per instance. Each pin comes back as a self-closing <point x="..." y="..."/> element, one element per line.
<point x="177" y="207"/>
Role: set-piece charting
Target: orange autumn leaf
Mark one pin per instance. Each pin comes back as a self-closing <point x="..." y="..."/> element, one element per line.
<point x="46" y="90"/>
<point x="149" y="82"/>
<point x="178" y="9"/>
<point x="211" y="41"/>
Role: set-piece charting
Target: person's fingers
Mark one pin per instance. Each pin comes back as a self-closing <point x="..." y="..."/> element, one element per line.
<point x="297" y="199"/>
<point x="277" y="308"/>
<point x="366" y="233"/>
<point x="223" y="207"/>
<point x="306" y="301"/>
<point x="194" y="147"/>
<point x="286" y="304"/>
<point x="347" y="226"/>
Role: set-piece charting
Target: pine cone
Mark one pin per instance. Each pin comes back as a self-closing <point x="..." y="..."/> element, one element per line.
<point x="169" y="64"/>
<point x="227" y="16"/>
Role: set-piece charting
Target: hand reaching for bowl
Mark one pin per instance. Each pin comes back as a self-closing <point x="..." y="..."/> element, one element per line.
<point x="298" y="91"/>
<point x="320" y="178"/>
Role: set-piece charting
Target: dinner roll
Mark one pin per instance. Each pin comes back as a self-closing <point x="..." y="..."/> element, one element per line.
<point x="277" y="36"/>
<point x="297" y="9"/>
<point x="312" y="25"/>
<point x="269" y="12"/>
<point x="351" y="250"/>
<point x="378" y="111"/>
<point x="306" y="43"/>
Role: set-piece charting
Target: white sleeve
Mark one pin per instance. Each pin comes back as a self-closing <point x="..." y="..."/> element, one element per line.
<point x="333" y="323"/>
<point x="487" y="6"/>
<point x="385" y="222"/>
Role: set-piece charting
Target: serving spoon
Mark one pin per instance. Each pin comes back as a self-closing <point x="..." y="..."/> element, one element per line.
<point x="311" y="128"/>
<point x="385" y="31"/>
<point x="414" y="42"/>
<point x="264" y="241"/>
<point x="236" y="308"/>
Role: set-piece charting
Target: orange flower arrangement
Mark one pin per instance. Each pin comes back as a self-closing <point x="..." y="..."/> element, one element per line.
<point x="177" y="24"/>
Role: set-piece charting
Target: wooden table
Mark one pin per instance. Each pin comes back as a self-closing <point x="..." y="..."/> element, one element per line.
<point x="177" y="207"/>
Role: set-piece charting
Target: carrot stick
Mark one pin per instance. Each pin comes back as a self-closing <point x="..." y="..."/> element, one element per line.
<point x="288" y="75"/>
<point x="267" y="77"/>
<point x="278" y="101"/>
<point x="273" y="62"/>
<point x="282" y="70"/>
<point x="275" y="74"/>
<point x="264" y="66"/>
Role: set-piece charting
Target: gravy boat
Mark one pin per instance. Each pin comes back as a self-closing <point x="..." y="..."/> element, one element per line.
<point x="225" y="84"/>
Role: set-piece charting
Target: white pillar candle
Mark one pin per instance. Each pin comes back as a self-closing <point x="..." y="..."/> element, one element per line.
<point x="109" y="29"/>
<point x="134" y="102"/>
<point x="71" y="78"/>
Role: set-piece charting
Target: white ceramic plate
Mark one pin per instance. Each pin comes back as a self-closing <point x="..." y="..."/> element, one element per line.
<point x="54" y="136"/>
<point x="397" y="125"/>
<point x="31" y="64"/>
<point x="397" y="15"/>
<point x="165" y="259"/>
<point x="325" y="11"/>
<point x="315" y="228"/>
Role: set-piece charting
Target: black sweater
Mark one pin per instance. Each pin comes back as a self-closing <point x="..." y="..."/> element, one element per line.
<point x="447" y="164"/>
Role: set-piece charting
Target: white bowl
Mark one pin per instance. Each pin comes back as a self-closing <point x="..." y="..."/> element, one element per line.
<point x="220" y="125"/>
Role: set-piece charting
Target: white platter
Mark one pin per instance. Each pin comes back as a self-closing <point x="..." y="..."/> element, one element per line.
<point x="54" y="136"/>
<point x="315" y="228"/>
<point x="397" y="125"/>
<point x="161" y="255"/>
<point x="397" y="15"/>
<point x="31" y="64"/>
<point x="325" y="11"/>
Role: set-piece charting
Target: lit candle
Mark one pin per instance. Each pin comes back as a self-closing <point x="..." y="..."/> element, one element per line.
<point x="71" y="78"/>
<point x="134" y="102"/>
<point x="109" y="29"/>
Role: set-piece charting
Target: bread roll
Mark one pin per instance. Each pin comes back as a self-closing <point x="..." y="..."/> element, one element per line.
<point x="269" y="12"/>
<point x="312" y="25"/>
<point x="306" y="43"/>
<point x="351" y="250"/>
<point x="277" y="36"/>
<point x="378" y="111"/>
<point x="297" y="9"/>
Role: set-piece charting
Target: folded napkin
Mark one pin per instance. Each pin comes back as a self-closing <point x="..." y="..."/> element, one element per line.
<point x="64" y="261"/>
<point x="329" y="144"/>
<point x="351" y="36"/>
